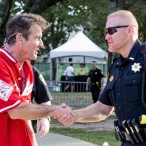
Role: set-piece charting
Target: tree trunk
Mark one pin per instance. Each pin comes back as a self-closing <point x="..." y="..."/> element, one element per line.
<point x="5" y="12"/>
<point x="110" y="58"/>
<point x="144" y="37"/>
<point x="54" y="69"/>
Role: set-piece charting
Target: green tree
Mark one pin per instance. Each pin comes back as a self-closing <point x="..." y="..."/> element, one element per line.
<point x="68" y="15"/>
<point x="12" y="7"/>
<point x="5" y="6"/>
<point x="91" y="16"/>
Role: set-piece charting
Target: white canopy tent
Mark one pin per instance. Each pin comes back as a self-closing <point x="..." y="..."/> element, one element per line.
<point x="79" y="45"/>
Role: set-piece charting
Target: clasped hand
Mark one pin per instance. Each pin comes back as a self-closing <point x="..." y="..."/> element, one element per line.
<point x="65" y="115"/>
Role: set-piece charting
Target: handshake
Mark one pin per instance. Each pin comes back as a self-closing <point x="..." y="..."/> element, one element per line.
<point x="64" y="114"/>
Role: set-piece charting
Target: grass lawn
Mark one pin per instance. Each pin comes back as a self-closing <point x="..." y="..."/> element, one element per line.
<point x="95" y="137"/>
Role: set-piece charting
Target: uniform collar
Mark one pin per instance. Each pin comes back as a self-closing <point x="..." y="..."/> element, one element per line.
<point x="132" y="54"/>
<point x="134" y="51"/>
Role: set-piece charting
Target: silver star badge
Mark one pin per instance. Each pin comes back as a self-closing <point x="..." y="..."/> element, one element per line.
<point x="136" y="67"/>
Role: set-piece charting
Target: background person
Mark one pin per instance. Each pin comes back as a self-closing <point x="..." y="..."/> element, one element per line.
<point x="82" y="70"/>
<point x="41" y="95"/>
<point x="123" y="89"/>
<point x="23" y="41"/>
<point x="95" y="82"/>
<point x="69" y="76"/>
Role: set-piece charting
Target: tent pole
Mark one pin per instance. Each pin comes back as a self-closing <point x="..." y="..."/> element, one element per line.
<point x="84" y="59"/>
<point x="56" y="69"/>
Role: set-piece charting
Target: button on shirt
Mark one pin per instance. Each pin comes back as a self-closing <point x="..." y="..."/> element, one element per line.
<point x="124" y="85"/>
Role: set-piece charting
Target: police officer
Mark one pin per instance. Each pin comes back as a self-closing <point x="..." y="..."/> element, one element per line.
<point x="40" y="95"/>
<point x="123" y="91"/>
<point x="95" y="81"/>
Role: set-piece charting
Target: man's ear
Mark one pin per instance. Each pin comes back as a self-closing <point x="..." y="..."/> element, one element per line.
<point x="19" y="37"/>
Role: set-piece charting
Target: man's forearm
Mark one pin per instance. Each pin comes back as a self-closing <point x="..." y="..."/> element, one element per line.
<point x="47" y="103"/>
<point x="33" y="111"/>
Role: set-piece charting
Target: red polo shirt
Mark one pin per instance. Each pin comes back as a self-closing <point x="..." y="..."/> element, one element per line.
<point x="12" y="93"/>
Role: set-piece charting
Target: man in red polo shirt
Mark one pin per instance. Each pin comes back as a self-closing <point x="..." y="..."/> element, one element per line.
<point x="23" y="41"/>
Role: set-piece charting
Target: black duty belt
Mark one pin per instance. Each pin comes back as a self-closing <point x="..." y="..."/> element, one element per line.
<point x="130" y="131"/>
<point x="97" y="83"/>
<point x="93" y="83"/>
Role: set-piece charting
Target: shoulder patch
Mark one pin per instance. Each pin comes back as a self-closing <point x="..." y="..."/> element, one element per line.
<point x="5" y="90"/>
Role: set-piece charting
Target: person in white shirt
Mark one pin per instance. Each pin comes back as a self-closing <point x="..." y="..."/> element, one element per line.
<point x="69" y="73"/>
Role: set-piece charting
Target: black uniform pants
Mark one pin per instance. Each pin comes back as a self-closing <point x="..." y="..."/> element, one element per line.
<point x="95" y="90"/>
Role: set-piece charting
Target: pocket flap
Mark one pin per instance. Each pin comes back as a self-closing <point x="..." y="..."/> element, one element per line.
<point x="135" y="79"/>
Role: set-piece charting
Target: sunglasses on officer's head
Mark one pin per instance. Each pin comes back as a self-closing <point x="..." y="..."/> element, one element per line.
<point x="112" y="30"/>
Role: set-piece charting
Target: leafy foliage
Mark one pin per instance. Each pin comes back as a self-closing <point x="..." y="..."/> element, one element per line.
<point x="69" y="16"/>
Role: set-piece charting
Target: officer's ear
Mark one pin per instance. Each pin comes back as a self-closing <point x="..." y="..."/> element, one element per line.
<point x="130" y="28"/>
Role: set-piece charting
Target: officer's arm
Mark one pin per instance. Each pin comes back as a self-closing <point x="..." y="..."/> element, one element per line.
<point x="87" y="83"/>
<point x="43" y="124"/>
<point x="93" y="113"/>
<point x="41" y="96"/>
<point x="102" y="84"/>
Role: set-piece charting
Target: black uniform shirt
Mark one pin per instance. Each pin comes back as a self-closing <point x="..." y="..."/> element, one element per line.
<point x="40" y="93"/>
<point x="124" y="86"/>
<point x="96" y="76"/>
